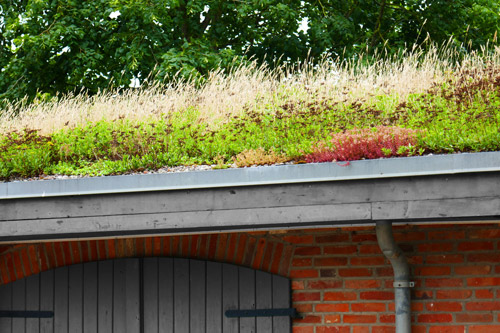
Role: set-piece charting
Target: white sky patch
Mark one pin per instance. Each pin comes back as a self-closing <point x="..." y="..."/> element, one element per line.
<point x="135" y="83"/>
<point x="114" y="15"/>
<point x="202" y="14"/>
<point x="64" y="50"/>
<point x="304" y="25"/>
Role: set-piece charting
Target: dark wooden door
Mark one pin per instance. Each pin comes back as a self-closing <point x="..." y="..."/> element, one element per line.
<point x="150" y="295"/>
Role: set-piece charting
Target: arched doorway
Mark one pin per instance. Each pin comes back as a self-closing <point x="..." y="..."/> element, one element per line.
<point x="146" y="295"/>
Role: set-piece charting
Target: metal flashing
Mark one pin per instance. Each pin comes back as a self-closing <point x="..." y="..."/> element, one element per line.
<point x="265" y="175"/>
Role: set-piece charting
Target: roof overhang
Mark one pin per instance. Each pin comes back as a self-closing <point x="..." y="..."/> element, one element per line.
<point x="458" y="187"/>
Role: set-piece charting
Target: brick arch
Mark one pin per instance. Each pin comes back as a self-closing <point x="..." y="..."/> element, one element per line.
<point x="258" y="250"/>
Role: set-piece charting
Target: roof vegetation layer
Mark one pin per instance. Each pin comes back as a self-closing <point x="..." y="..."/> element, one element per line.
<point x="418" y="103"/>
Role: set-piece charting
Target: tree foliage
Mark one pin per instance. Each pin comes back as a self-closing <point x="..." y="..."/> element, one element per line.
<point x="58" y="46"/>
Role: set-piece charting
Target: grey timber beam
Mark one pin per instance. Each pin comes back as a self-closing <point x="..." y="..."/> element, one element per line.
<point x="455" y="196"/>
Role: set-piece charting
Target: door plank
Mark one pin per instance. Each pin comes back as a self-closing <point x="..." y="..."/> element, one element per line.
<point x="150" y="295"/>
<point x="247" y="297"/>
<point x="75" y="291"/>
<point x="32" y="302"/>
<point x="61" y="300"/>
<point x="263" y="295"/>
<point x="166" y="294"/>
<point x="181" y="295"/>
<point x="105" y="296"/>
<point x="90" y="303"/>
<point x="197" y="292"/>
<point x="214" y="297"/>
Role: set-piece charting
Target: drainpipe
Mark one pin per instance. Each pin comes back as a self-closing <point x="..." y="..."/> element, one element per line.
<point x="402" y="282"/>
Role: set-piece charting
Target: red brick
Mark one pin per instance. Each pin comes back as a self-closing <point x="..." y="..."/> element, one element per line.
<point x="249" y="251"/>
<point x="26" y="262"/>
<point x="475" y="246"/>
<point x="448" y="234"/>
<point x="384" y="271"/>
<point x="365" y="319"/>
<point x="362" y="284"/>
<point x="259" y="253"/>
<point x="483" y="281"/>
<point x="305" y="296"/>
<point x="308" y="319"/>
<point x="433" y="270"/>
<point x="129" y="243"/>
<point x="303" y="308"/>
<point x="339" y="296"/>
<point x="484" y="294"/>
<point x="484" y="233"/>
<point x="18" y="266"/>
<point x="444" y="282"/>
<point x="367" y="261"/>
<point x="285" y="261"/>
<point x="483" y="306"/>
<point x="453" y="294"/>
<point x="368" y="307"/>
<point x="360" y="329"/>
<point x="474" y="317"/>
<point x="484" y="257"/>
<point x="364" y="238"/>
<point x="4" y="271"/>
<point x="383" y="329"/>
<point x="333" y="329"/>
<point x="297" y="285"/>
<point x="330" y="272"/>
<point x="330" y="261"/>
<point x="386" y="319"/>
<point x="484" y="329"/>
<point x="120" y="249"/>
<point x="59" y="254"/>
<point x="33" y="255"/>
<point x="275" y="264"/>
<point x="75" y="252"/>
<point x="212" y="248"/>
<point x="435" y="318"/>
<point x="447" y="329"/>
<point x="307" y="251"/>
<point x="148" y="247"/>
<point x="415" y="260"/>
<point x="444" y="258"/>
<point x="369" y="249"/>
<point x="301" y="262"/>
<point x="332" y="238"/>
<point x="101" y="247"/>
<point x="354" y="272"/>
<point x="44" y="264"/>
<point x="139" y="247"/>
<point x="324" y="284"/>
<point x="332" y="319"/>
<point x="472" y="270"/>
<point x="443" y="306"/>
<point x="157" y="246"/>
<point x="340" y="249"/>
<point x="303" y="329"/>
<point x="268" y="256"/>
<point x="435" y="247"/>
<point x="327" y="307"/>
<point x="203" y="249"/>
<point x="377" y="295"/>
<point x="409" y="236"/>
<point x="422" y="294"/>
<point x="303" y="273"/>
<point x="418" y="329"/>
<point x="296" y="239"/>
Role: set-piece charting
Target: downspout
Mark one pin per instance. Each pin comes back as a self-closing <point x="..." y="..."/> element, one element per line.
<point x="401" y="269"/>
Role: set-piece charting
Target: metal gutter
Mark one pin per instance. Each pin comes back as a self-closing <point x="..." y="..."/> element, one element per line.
<point x="268" y="175"/>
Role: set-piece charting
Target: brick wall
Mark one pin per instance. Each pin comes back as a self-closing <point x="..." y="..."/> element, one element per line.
<point x="341" y="281"/>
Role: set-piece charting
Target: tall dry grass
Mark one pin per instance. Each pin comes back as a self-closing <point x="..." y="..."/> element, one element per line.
<point x="253" y="88"/>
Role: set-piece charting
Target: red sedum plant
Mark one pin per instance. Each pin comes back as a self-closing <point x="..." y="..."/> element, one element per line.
<point x="367" y="143"/>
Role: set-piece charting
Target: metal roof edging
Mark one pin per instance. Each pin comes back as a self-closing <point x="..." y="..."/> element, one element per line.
<point x="265" y="175"/>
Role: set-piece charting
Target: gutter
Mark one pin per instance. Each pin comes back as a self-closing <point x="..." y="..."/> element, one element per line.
<point x="269" y="175"/>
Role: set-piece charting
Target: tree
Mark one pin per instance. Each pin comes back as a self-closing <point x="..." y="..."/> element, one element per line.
<point x="58" y="46"/>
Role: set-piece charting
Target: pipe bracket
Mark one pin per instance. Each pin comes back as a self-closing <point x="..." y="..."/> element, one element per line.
<point x="403" y="284"/>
